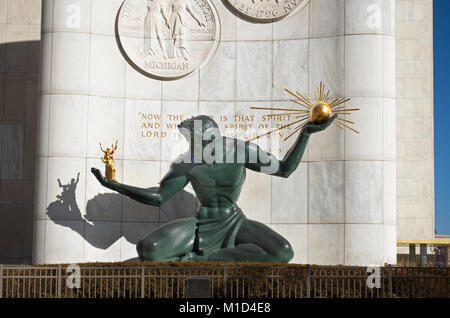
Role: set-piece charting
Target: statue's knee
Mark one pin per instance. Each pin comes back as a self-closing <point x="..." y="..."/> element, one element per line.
<point x="147" y="251"/>
<point x="285" y="253"/>
<point x="140" y="250"/>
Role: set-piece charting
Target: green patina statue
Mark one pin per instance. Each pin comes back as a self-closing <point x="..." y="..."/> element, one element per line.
<point x="219" y="231"/>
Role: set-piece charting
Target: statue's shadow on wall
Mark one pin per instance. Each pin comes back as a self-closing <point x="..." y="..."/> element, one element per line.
<point x="65" y="211"/>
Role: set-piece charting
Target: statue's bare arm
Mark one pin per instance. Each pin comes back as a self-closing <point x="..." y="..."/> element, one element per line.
<point x="261" y="161"/>
<point x="173" y="182"/>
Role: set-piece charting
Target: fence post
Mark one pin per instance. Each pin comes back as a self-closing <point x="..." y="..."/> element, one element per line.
<point x="308" y="282"/>
<point x="1" y="281"/>
<point x="390" y="281"/>
<point x="59" y="281"/>
<point x="142" y="281"/>
<point x="423" y="255"/>
<point x="225" y="280"/>
<point x="412" y="254"/>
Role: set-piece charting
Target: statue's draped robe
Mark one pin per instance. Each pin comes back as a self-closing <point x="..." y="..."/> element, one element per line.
<point x="219" y="230"/>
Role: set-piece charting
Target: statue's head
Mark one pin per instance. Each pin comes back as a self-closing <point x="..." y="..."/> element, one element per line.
<point x="199" y="127"/>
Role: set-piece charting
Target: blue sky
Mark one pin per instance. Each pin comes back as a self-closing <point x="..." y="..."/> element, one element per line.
<point x="442" y="114"/>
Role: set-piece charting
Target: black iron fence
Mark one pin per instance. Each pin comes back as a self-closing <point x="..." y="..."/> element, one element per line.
<point x="227" y="281"/>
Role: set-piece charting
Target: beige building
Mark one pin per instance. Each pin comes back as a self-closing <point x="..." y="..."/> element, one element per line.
<point x="20" y="47"/>
<point x="415" y="129"/>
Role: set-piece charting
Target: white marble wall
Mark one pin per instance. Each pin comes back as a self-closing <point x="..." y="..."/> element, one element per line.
<point x="339" y="207"/>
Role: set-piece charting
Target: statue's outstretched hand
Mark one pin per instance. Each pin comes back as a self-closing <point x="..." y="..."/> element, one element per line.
<point x="96" y="172"/>
<point x="311" y="128"/>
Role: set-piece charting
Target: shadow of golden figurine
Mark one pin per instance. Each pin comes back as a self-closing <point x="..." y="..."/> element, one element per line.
<point x="108" y="160"/>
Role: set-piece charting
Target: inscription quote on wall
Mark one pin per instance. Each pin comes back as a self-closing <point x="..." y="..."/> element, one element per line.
<point x="154" y="125"/>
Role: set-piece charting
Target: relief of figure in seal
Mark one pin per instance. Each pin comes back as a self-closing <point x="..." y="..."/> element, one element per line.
<point x="160" y="26"/>
<point x="219" y="231"/>
<point x="178" y="24"/>
<point x="154" y="23"/>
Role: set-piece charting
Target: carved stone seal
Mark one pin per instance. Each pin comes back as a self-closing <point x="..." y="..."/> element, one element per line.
<point x="267" y="10"/>
<point x="168" y="38"/>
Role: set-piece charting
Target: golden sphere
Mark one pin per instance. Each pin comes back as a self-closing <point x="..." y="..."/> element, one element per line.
<point x="320" y="113"/>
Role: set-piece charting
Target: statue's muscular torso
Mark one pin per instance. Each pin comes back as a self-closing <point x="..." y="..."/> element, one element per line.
<point x="217" y="185"/>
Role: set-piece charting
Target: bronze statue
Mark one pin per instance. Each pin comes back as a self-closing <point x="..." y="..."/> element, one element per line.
<point x="219" y="231"/>
<point x="108" y="160"/>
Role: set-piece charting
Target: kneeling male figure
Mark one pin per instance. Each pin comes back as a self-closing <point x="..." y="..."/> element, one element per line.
<point x="219" y="231"/>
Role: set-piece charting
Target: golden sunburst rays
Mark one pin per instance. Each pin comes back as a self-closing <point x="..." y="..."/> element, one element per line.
<point x="308" y="110"/>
